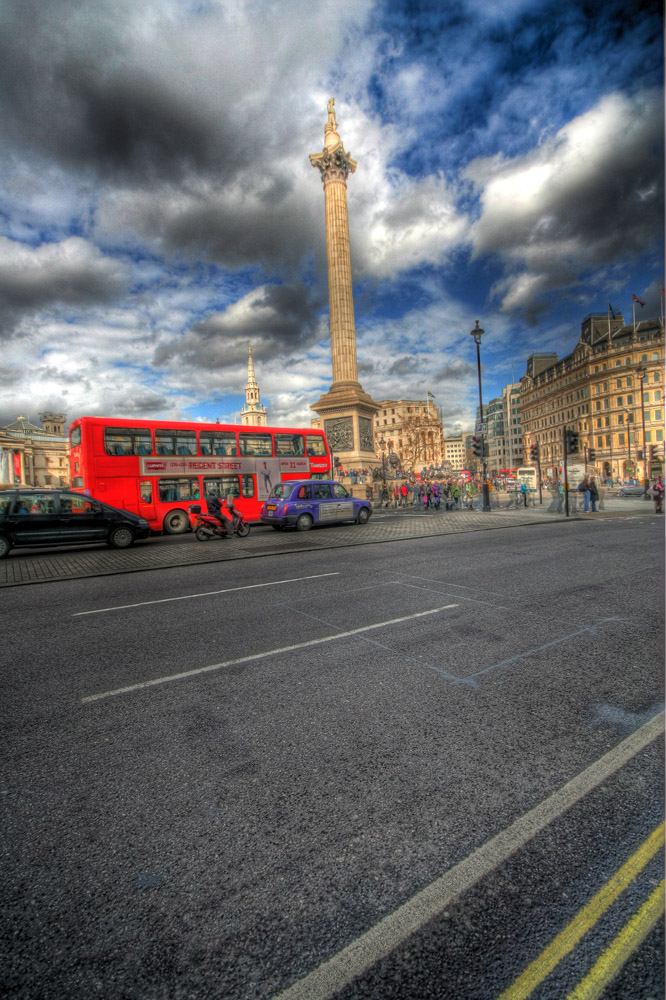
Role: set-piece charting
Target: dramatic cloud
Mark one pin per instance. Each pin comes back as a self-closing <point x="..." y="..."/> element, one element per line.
<point x="588" y="197"/>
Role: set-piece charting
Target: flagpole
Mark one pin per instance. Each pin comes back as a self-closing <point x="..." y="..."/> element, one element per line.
<point x="633" y="306"/>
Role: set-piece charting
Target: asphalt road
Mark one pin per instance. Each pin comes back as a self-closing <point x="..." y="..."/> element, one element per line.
<point x="425" y="769"/>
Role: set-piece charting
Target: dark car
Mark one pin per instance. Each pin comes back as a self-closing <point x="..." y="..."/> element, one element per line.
<point x="303" y="503"/>
<point x="34" y="516"/>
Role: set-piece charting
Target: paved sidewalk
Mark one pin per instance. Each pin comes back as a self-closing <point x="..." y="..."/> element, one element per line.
<point x="25" y="567"/>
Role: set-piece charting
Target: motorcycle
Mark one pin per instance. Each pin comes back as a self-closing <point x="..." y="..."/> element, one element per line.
<point x="206" y="526"/>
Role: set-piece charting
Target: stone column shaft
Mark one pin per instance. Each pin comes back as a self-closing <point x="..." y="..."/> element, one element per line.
<point x="340" y="296"/>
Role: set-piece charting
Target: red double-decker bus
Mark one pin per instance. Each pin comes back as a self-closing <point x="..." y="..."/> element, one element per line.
<point x="156" y="468"/>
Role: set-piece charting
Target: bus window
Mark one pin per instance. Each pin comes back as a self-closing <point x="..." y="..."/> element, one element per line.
<point x="289" y="444"/>
<point x="247" y="486"/>
<point x="146" y="490"/>
<point x="127" y="441"/>
<point x="221" y="486"/>
<point x="170" y="490"/>
<point x="175" y="442"/>
<point x="76" y="437"/>
<point x="218" y="443"/>
<point x="316" y="445"/>
<point x="256" y="444"/>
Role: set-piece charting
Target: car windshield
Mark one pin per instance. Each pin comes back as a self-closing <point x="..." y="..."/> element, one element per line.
<point x="281" y="491"/>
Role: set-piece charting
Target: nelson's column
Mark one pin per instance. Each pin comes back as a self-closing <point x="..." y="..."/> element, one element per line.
<point x="346" y="411"/>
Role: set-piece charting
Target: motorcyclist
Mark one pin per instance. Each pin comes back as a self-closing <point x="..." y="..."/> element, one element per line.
<point x="215" y="510"/>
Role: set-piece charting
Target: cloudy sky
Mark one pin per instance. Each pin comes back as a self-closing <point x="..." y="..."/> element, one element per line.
<point x="159" y="213"/>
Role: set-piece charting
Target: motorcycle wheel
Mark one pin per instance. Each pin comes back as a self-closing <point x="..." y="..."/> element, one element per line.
<point x="202" y="534"/>
<point x="243" y="530"/>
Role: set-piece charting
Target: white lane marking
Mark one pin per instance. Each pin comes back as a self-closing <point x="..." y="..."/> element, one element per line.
<point x="258" y="656"/>
<point x="391" y="932"/>
<point x="208" y="593"/>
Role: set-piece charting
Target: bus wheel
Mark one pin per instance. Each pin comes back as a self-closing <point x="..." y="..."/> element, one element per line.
<point x="176" y="522"/>
<point x="304" y="523"/>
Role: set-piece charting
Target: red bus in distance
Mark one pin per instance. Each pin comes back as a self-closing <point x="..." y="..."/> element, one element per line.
<point x="156" y="468"/>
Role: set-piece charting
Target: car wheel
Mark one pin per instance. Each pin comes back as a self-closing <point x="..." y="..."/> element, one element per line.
<point x="363" y="516"/>
<point x="5" y="546"/>
<point x="176" y="522"/>
<point x="121" y="537"/>
<point x="304" y="523"/>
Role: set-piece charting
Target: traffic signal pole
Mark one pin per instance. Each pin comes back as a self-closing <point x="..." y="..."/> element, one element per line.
<point x="566" y="475"/>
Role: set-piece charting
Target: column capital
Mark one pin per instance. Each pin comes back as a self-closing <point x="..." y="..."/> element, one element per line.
<point x="333" y="164"/>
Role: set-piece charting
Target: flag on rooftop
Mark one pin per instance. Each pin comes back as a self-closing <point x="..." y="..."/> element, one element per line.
<point x="635" y="298"/>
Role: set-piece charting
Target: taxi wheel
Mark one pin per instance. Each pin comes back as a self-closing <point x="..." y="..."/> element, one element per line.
<point x="363" y="516"/>
<point x="304" y="523"/>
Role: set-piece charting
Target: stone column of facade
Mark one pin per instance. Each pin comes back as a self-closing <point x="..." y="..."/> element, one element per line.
<point x="346" y="411"/>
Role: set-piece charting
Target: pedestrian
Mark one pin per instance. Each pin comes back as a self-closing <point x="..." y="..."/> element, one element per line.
<point x="657" y="492"/>
<point x="523" y="492"/>
<point x="594" y="494"/>
<point x="584" y="488"/>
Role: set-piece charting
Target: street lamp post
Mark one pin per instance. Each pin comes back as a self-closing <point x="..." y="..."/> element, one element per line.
<point x="641" y="372"/>
<point x="477" y="333"/>
<point x="628" y="415"/>
<point x="382" y="445"/>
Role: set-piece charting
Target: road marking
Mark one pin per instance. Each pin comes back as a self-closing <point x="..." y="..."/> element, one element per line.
<point x="569" y="937"/>
<point x="627" y="941"/>
<point x="258" y="656"/>
<point x="334" y="974"/>
<point x="208" y="593"/>
<point x="538" y="649"/>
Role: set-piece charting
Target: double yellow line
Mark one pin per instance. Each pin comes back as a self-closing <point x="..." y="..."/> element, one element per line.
<point x="620" y="948"/>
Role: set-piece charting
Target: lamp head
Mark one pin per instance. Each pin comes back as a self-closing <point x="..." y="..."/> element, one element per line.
<point x="477" y="333"/>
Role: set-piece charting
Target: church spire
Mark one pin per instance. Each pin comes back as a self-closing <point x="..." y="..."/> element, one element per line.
<point x="253" y="411"/>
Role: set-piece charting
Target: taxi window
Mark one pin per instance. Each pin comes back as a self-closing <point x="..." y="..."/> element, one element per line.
<point x="304" y="492"/>
<point x="339" y="492"/>
<point x="322" y="491"/>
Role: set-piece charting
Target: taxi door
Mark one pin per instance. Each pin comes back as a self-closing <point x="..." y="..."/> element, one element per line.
<point x="325" y="503"/>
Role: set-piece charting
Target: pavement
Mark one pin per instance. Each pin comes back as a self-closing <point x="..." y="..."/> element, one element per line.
<point x="25" y="566"/>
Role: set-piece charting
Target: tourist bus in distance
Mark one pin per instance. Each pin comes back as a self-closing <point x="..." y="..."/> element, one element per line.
<point x="528" y="474"/>
<point x="157" y="468"/>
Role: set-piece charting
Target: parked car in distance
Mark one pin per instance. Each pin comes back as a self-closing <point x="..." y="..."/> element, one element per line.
<point x="635" y="490"/>
<point x="304" y="503"/>
<point x="40" y="516"/>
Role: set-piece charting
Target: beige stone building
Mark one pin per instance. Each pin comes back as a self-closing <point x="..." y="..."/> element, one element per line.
<point x="456" y="452"/>
<point x="32" y="455"/>
<point x="414" y="431"/>
<point x="610" y="390"/>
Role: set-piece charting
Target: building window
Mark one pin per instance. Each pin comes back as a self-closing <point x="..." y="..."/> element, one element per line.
<point x="660" y="435"/>
<point x="620" y="401"/>
<point x="656" y="377"/>
<point x="620" y="439"/>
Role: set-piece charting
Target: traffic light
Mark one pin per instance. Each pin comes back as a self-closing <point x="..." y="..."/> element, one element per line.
<point x="572" y="442"/>
<point x="534" y="453"/>
<point x="591" y="455"/>
<point x="477" y="446"/>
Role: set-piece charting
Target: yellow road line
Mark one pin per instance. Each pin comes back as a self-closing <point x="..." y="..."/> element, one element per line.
<point x="563" y="943"/>
<point x="626" y="942"/>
